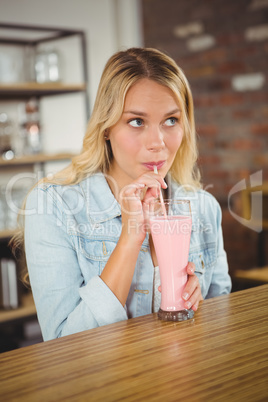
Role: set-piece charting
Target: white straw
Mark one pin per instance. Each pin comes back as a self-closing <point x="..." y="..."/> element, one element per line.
<point x="161" y="197"/>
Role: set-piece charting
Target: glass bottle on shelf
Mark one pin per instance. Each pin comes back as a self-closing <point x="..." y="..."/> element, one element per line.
<point x="47" y="66"/>
<point x="6" y="137"/>
<point x="30" y="131"/>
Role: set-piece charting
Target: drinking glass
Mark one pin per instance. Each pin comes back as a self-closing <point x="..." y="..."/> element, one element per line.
<point x="170" y="225"/>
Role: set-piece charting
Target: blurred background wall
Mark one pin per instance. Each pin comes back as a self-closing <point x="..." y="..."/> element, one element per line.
<point x="108" y="25"/>
<point x="222" y="47"/>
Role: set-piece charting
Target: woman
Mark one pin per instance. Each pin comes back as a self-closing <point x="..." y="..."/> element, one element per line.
<point x="90" y="259"/>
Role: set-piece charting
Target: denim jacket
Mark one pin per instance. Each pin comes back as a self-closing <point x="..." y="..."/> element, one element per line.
<point x="70" y="233"/>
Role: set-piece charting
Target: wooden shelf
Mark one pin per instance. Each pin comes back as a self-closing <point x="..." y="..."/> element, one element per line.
<point x="30" y="160"/>
<point x="35" y="158"/>
<point x="28" y="89"/>
<point x="27" y="309"/>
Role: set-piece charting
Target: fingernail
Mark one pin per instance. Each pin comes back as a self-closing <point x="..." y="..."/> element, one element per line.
<point x="188" y="305"/>
<point x="185" y="296"/>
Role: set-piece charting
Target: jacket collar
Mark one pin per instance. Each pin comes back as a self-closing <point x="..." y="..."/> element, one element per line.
<point x="101" y="204"/>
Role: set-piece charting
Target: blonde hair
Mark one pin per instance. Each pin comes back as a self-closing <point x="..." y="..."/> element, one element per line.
<point x="122" y="71"/>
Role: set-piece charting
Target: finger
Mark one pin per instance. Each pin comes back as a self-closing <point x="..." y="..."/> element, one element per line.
<point x="190" y="268"/>
<point x="151" y="194"/>
<point x="163" y="183"/>
<point x="193" y="301"/>
<point x="152" y="179"/>
<point x="143" y="191"/>
<point x="192" y="292"/>
<point x="131" y="193"/>
<point x="130" y="189"/>
<point x="196" y="305"/>
<point x="190" y="287"/>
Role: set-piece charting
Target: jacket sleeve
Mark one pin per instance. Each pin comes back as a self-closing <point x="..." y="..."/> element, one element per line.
<point x="65" y="303"/>
<point x="221" y="281"/>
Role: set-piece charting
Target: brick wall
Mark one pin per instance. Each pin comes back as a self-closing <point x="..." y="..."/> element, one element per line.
<point x="222" y="47"/>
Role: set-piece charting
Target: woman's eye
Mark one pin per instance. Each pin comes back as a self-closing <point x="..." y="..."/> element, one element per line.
<point x="171" y="121"/>
<point x="136" y="122"/>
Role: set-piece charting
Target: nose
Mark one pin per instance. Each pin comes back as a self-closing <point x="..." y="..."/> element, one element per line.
<point x="154" y="139"/>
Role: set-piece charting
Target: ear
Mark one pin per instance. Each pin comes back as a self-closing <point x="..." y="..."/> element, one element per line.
<point x="106" y="135"/>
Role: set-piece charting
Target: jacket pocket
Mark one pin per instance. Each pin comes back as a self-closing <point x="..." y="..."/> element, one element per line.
<point x="204" y="258"/>
<point x="96" y="250"/>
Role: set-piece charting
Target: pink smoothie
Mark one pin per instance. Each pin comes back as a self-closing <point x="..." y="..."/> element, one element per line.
<point x="171" y="239"/>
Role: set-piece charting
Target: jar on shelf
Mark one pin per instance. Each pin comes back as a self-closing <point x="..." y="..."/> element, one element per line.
<point x="11" y="66"/>
<point x="47" y="66"/>
<point x="29" y="127"/>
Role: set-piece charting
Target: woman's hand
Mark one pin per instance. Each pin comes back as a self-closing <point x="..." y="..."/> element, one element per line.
<point x="134" y="200"/>
<point x="192" y="292"/>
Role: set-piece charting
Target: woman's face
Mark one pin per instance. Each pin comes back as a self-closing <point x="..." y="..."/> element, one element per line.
<point x="148" y="133"/>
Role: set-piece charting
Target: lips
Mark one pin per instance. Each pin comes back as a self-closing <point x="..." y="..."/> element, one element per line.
<point x="150" y="165"/>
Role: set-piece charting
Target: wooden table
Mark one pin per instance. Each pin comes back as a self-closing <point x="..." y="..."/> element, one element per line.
<point x="221" y="355"/>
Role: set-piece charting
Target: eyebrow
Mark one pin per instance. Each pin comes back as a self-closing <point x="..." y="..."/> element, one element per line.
<point x="139" y="113"/>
